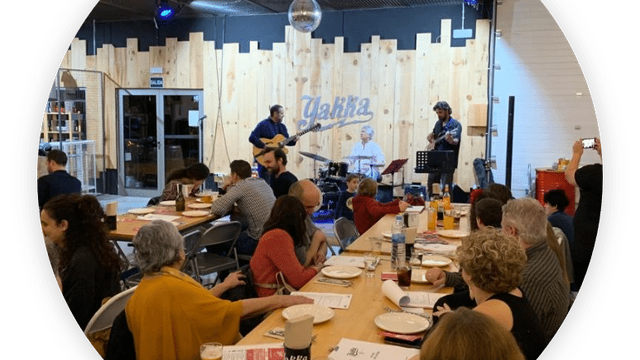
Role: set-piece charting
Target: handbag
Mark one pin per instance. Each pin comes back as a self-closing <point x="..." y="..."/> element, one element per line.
<point x="281" y="285"/>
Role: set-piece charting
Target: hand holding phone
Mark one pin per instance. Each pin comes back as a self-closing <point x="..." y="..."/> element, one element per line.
<point x="589" y="143"/>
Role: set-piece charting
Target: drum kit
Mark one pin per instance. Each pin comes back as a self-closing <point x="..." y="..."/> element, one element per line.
<point x="333" y="172"/>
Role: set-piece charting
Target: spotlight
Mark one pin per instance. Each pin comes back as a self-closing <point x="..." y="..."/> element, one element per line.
<point x="164" y="11"/>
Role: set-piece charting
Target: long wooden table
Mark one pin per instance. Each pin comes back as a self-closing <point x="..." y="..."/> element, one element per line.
<point x="356" y="322"/>
<point x="363" y="243"/>
<point x="129" y="224"/>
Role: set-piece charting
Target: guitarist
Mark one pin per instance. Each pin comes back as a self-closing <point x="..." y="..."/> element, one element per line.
<point x="445" y="136"/>
<point x="269" y="128"/>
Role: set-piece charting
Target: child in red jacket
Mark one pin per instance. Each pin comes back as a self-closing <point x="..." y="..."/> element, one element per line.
<point x="367" y="210"/>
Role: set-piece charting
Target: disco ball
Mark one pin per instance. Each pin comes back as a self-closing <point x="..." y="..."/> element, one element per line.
<point x="305" y="15"/>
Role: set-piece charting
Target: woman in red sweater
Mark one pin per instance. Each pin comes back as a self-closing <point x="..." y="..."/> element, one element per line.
<point x="283" y="231"/>
<point x="367" y="210"/>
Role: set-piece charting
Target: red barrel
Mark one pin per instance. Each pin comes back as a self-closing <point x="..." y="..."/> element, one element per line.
<point x="549" y="179"/>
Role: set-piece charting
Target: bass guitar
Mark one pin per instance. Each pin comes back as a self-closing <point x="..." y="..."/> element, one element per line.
<point x="278" y="141"/>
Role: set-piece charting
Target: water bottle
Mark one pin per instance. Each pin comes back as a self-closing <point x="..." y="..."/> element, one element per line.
<point x="397" y="243"/>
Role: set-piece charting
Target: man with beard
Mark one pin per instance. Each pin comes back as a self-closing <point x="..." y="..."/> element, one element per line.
<point x="445" y="136"/>
<point x="275" y="160"/>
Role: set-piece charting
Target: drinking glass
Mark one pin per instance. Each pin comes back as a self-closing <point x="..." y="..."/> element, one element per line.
<point x="369" y="264"/>
<point x="376" y="245"/>
<point x="416" y="259"/>
<point x="432" y="216"/>
<point x="404" y="276"/>
<point x="447" y="220"/>
<point x="211" y="351"/>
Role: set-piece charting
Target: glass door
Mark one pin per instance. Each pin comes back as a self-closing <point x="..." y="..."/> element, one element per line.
<point x="159" y="131"/>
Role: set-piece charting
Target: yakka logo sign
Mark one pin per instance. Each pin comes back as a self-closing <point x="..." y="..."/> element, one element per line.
<point x="345" y="111"/>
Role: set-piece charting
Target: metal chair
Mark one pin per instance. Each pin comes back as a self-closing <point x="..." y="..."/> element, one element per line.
<point x="222" y="236"/>
<point x="103" y="318"/>
<point x="345" y="231"/>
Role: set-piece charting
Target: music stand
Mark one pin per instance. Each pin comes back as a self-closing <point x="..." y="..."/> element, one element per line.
<point x="394" y="167"/>
<point x="435" y="161"/>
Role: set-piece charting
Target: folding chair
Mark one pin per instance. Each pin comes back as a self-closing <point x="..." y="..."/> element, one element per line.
<point x="345" y="231"/>
<point x="224" y="237"/>
<point x="103" y="318"/>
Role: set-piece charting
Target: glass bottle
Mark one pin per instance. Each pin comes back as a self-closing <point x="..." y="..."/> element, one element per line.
<point x="446" y="198"/>
<point x="179" y="199"/>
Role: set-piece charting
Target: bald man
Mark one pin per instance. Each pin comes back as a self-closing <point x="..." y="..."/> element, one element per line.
<point x="314" y="244"/>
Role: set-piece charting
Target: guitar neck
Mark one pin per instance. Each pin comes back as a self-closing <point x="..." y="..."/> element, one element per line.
<point x="290" y="138"/>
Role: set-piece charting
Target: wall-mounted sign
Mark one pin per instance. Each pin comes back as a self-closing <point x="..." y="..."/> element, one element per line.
<point x="344" y="110"/>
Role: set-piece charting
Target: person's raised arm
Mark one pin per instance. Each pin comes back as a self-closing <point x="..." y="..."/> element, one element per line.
<point x="574" y="163"/>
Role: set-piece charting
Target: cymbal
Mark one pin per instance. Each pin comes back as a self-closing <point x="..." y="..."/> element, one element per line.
<point x="358" y="157"/>
<point x="314" y="156"/>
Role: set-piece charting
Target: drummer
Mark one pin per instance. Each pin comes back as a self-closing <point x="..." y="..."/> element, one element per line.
<point x="366" y="156"/>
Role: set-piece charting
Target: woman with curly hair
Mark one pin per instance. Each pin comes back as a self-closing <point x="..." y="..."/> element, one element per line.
<point x="492" y="264"/>
<point x="88" y="263"/>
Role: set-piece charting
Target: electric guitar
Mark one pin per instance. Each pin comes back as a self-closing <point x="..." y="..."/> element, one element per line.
<point x="278" y="141"/>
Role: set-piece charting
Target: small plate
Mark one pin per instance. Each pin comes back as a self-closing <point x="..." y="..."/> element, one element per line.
<point x="199" y="205"/>
<point x="195" y="213"/>
<point x="142" y="211"/>
<point x="167" y="203"/>
<point x="386" y="234"/>
<point x="456" y="234"/>
<point x="320" y="313"/>
<point x="435" y="261"/>
<point x="402" y="323"/>
<point x="207" y="193"/>
<point x="341" y="272"/>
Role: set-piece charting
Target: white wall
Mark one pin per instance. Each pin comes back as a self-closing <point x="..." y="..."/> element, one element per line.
<point x="538" y="68"/>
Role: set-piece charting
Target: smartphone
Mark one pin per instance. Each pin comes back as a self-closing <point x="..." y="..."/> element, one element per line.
<point x="416" y="344"/>
<point x="589" y="143"/>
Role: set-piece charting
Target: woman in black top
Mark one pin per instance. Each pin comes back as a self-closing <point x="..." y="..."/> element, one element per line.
<point x="492" y="264"/>
<point x="587" y="217"/>
<point x="89" y="265"/>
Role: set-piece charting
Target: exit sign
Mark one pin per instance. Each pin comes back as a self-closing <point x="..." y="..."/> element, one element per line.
<point x="156" y="82"/>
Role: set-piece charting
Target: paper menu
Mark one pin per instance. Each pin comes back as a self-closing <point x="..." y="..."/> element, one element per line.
<point x="330" y="300"/>
<point x="415" y="209"/>
<point x="409" y="299"/>
<point x="349" y="349"/>
<point x="344" y="260"/>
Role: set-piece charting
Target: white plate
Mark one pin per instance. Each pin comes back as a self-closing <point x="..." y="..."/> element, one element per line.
<point x="453" y="233"/>
<point x="320" y="313"/>
<point x="195" y="213"/>
<point x="386" y="234"/>
<point x="402" y="323"/>
<point x="435" y="260"/>
<point x="167" y="203"/>
<point x="199" y="205"/>
<point x="142" y="211"/>
<point x="341" y="272"/>
<point x="207" y="193"/>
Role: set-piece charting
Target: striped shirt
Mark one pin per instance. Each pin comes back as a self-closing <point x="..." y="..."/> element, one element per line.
<point x="254" y="199"/>
<point x="545" y="287"/>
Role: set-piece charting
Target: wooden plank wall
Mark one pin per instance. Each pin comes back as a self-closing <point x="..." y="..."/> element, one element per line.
<point x="402" y="86"/>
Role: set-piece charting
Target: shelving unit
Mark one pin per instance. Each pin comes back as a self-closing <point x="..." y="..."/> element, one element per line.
<point x="65" y="118"/>
<point x="64" y="127"/>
